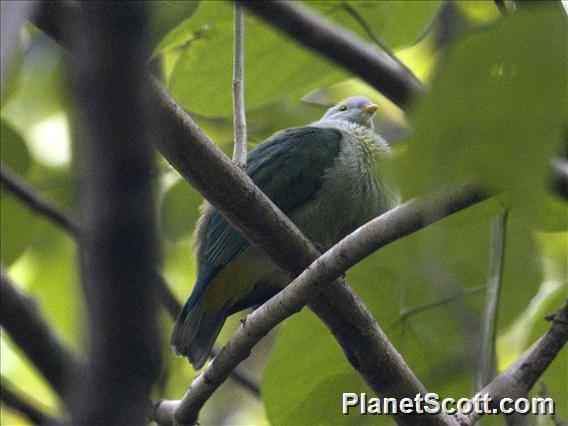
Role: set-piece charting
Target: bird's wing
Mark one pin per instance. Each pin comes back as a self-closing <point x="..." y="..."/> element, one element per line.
<point x="289" y="169"/>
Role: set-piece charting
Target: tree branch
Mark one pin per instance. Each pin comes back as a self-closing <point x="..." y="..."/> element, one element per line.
<point x="390" y="78"/>
<point x="518" y="379"/>
<point x="17" y="403"/>
<point x="239" y="115"/>
<point x="37" y="202"/>
<point x="119" y="245"/>
<point x="486" y="368"/>
<point x="391" y="226"/>
<point x="20" y="318"/>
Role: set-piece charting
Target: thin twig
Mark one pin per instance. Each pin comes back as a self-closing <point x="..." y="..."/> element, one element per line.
<point x="37" y="202"/>
<point x="407" y="313"/>
<point x="20" y="318"/>
<point x="397" y="223"/>
<point x="376" y="68"/>
<point x="239" y="116"/>
<point x="25" y="407"/>
<point x="486" y="368"/>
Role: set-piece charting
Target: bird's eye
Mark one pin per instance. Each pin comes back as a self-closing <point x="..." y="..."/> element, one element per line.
<point x="343" y="108"/>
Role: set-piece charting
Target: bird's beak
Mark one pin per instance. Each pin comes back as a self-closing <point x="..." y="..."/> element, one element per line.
<point x="370" y="108"/>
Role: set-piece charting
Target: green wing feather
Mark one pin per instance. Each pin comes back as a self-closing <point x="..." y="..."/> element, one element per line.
<point x="289" y="168"/>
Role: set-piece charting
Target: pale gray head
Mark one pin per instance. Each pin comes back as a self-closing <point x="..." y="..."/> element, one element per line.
<point x="356" y="109"/>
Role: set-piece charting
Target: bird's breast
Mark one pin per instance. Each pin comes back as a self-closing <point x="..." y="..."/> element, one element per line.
<point x="354" y="191"/>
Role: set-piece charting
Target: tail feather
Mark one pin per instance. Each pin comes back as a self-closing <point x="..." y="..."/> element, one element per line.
<point x="195" y="333"/>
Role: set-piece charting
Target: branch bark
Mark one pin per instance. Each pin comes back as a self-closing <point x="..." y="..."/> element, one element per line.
<point x="37" y="202"/>
<point x="389" y="77"/>
<point x="20" y="318"/>
<point x="239" y="116"/>
<point x="519" y="378"/>
<point x="397" y="223"/>
<point x="118" y="250"/>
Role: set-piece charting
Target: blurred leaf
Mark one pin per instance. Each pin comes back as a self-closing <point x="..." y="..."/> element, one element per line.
<point x="52" y="265"/>
<point x="201" y="79"/>
<point x="495" y="111"/>
<point x="42" y="89"/>
<point x="481" y="12"/>
<point x="15" y="217"/>
<point x="13" y="74"/>
<point x="178" y="36"/>
<point x="179" y="210"/>
<point x="552" y="216"/>
<point x="13" y="150"/>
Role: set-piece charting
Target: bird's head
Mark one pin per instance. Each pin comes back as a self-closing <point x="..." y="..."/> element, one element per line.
<point x="356" y="109"/>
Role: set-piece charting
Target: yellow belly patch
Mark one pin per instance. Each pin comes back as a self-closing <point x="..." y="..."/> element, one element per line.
<point x="238" y="278"/>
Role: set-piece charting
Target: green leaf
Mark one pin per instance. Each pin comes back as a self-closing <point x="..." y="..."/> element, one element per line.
<point x="41" y="90"/>
<point x="201" y="79"/>
<point x="309" y="391"/>
<point x="178" y="36"/>
<point x="12" y="83"/>
<point x="179" y="210"/>
<point x="13" y="150"/>
<point x="166" y="15"/>
<point x="395" y="23"/>
<point x="495" y="111"/>
<point x="15" y="217"/>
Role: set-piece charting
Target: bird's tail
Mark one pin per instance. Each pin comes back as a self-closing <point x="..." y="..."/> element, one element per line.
<point x="195" y="332"/>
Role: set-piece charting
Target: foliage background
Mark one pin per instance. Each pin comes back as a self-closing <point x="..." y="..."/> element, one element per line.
<point x="496" y="111"/>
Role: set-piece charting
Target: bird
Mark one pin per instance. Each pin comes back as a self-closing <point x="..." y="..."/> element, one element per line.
<point x="328" y="177"/>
